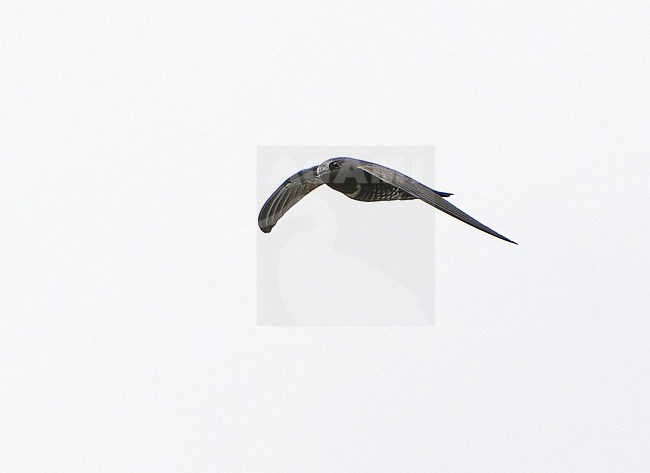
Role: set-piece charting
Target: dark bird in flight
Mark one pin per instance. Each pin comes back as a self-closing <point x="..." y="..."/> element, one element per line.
<point x="359" y="180"/>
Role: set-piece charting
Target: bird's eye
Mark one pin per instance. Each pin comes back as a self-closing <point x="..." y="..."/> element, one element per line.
<point x="334" y="165"/>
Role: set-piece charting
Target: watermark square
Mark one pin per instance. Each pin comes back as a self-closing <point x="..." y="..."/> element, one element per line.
<point x="332" y="260"/>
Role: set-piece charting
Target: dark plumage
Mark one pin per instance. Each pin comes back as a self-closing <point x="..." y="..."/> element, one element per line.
<point x="359" y="180"/>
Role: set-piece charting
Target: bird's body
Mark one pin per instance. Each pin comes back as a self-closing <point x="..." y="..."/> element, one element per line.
<point x="361" y="187"/>
<point x="358" y="180"/>
<point x="379" y="192"/>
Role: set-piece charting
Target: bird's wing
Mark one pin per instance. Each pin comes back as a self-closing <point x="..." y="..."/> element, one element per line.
<point x="286" y="196"/>
<point x="426" y="194"/>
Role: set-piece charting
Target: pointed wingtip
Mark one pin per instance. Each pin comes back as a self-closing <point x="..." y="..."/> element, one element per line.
<point x="506" y="239"/>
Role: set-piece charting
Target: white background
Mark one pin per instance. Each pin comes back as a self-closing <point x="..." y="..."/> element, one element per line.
<point x="128" y="336"/>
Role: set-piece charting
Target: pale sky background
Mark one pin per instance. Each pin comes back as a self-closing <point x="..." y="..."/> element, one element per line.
<point x="128" y="237"/>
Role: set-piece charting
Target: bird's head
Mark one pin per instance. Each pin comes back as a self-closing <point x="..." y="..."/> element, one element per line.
<point x="336" y="169"/>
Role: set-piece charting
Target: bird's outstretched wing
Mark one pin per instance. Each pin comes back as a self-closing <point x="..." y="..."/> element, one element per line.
<point x="426" y="194"/>
<point x="286" y="196"/>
